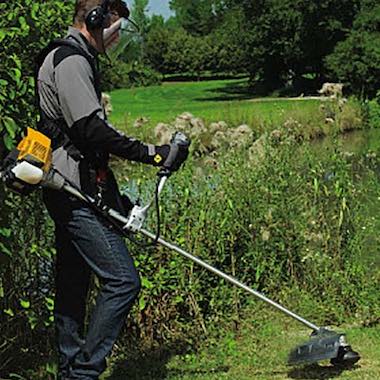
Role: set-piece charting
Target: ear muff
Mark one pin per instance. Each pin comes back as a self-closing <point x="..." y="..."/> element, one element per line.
<point x="97" y="17"/>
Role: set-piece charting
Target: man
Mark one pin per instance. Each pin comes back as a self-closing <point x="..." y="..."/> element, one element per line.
<point x="71" y="115"/>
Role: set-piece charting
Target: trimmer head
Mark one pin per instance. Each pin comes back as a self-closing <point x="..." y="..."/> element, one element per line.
<point x="323" y="345"/>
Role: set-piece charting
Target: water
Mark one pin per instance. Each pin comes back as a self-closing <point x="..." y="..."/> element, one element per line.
<point x="359" y="144"/>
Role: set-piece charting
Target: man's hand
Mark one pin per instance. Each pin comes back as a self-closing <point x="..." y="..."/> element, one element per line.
<point x="176" y="157"/>
<point x="171" y="156"/>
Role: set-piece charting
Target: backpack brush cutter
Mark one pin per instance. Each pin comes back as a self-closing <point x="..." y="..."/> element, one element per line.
<point x="29" y="167"/>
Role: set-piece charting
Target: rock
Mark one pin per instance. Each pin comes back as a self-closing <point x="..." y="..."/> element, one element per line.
<point x="333" y="90"/>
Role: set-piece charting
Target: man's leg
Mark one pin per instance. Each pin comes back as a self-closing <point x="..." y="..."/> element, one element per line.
<point x="107" y="256"/>
<point x="72" y="281"/>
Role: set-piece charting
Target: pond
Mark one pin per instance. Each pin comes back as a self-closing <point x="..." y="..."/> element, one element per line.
<point x="362" y="143"/>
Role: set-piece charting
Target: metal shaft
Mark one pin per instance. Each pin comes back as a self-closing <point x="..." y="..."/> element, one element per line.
<point x="231" y="280"/>
<point x="114" y="214"/>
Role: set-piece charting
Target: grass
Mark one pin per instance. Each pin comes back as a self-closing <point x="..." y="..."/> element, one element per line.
<point x="257" y="352"/>
<point x="216" y="100"/>
<point x="259" y="348"/>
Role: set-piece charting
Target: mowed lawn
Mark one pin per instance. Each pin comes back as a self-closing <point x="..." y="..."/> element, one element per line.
<point x="228" y="100"/>
<point x="257" y="352"/>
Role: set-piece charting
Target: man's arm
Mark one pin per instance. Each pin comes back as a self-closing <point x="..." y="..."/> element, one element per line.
<point x="84" y="115"/>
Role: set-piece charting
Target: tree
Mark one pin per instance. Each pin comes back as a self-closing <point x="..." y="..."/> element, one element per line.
<point x="230" y="43"/>
<point x="139" y="15"/>
<point x="157" y="43"/>
<point x="356" y="60"/>
<point x="288" y="38"/>
<point x="197" y="17"/>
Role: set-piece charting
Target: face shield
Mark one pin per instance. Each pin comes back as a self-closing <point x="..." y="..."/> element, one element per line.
<point x="121" y="37"/>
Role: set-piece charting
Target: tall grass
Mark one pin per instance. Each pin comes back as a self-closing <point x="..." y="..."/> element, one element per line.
<point x="292" y="224"/>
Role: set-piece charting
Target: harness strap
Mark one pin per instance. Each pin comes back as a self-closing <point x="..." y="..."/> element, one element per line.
<point x="57" y="129"/>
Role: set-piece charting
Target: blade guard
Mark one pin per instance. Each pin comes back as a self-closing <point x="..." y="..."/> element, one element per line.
<point x="323" y="345"/>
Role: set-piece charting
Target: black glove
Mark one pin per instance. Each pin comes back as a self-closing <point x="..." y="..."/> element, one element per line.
<point x="172" y="156"/>
<point x="176" y="157"/>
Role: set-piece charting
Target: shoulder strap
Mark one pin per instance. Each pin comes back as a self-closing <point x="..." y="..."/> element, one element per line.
<point x="56" y="129"/>
<point x="72" y="48"/>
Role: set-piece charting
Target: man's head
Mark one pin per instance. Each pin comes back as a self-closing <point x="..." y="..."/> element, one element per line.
<point x="95" y="14"/>
<point x="91" y="17"/>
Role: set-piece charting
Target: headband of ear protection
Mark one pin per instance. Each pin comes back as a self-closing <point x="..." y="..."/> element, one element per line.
<point x="97" y="16"/>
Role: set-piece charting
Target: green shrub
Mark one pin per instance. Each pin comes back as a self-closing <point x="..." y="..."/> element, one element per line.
<point x="23" y="32"/>
<point x="356" y="60"/>
<point x="127" y="75"/>
<point x="25" y="238"/>
<point x="373" y="111"/>
<point x="289" y="222"/>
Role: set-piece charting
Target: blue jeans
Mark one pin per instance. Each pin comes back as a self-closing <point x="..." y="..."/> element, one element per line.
<point x="86" y="244"/>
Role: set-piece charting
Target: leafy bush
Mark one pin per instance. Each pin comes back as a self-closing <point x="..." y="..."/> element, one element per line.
<point x="286" y="219"/>
<point x="127" y="75"/>
<point x="356" y="60"/>
<point x="25" y="271"/>
<point x="26" y="27"/>
<point x="373" y="111"/>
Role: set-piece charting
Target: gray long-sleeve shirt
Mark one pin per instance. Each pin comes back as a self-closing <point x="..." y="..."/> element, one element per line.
<point x="68" y="90"/>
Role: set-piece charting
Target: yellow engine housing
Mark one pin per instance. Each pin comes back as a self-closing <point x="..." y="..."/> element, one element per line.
<point x="36" y="149"/>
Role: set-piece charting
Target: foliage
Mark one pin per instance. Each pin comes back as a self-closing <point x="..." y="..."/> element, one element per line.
<point x="288" y="39"/>
<point x="26" y="282"/>
<point x="230" y="41"/>
<point x="139" y="15"/>
<point x="373" y="111"/>
<point x="176" y="49"/>
<point x="187" y="53"/>
<point x="128" y="75"/>
<point x="23" y="31"/>
<point x="25" y="274"/>
<point x="157" y="43"/>
<point x="289" y="218"/>
<point x="356" y="60"/>
<point x="197" y="17"/>
<point x="280" y="43"/>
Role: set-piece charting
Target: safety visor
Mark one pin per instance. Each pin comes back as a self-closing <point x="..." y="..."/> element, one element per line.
<point x="119" y="36"/>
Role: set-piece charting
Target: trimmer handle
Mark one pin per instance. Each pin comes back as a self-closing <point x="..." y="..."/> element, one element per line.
<point x="179" y="139"/>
